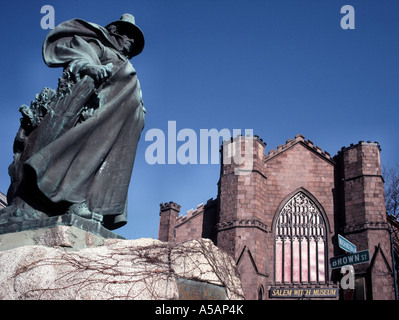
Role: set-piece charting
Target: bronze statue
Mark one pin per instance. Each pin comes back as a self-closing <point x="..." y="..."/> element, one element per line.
<point x="75" y="149"/>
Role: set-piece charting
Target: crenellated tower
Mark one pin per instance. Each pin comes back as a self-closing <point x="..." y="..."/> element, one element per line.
<point x="241" y="230"/>
<point x="169" y="212"/>
<point x="279" y="215"/>
<point x="362" y="215"/>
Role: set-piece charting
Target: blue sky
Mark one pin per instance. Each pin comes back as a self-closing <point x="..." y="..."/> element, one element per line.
<point x="279" y="67"/>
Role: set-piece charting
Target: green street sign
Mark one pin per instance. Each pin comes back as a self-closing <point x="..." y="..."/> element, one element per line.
<point x="354" y="258"/>
<point x="346" y="244"/>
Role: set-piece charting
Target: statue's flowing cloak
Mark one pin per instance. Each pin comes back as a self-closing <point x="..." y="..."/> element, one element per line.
<point x="92" y="160"/>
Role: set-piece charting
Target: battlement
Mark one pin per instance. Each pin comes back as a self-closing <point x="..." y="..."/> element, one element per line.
<point x="169" y="205"/>
<point x="195" y="223"/>
<point x="243" y="155"/>
<point x="360" y="143"/>
<point x="299" y="138"/>
<point x="190" y="214"/>
<point x="361" y="159"/>
<point x="240" y="136"/>
<point x="168" y="213"/>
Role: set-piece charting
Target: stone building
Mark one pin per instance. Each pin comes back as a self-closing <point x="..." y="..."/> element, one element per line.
<point x="280" y="220"/>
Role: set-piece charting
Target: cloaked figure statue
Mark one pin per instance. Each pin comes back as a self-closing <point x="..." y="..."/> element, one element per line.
<point x="75" y="149"/>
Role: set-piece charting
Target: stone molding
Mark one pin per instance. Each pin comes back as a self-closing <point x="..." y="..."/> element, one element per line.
<point x="377" y="225"/>
<point x="242" y="223"/>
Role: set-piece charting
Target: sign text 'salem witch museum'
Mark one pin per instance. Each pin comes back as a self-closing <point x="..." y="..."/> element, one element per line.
<point x="280" y="221"/>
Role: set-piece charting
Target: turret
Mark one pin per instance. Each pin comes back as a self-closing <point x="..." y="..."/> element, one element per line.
<point x="167" y="222"/>
<point x="363" y="214"/>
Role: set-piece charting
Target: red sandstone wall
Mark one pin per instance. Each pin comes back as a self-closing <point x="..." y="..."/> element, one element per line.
<point x="190" y="226"/>
<point x="298" y="167"/>
<point x="250" y="203"/>
<point x="364" y="216"/>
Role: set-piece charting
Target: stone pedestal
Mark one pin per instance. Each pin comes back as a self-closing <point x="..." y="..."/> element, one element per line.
<point x="68" y="257"/>
<point x="69" y="231"/>
<point x="60" y="236"/>
<point x="116" y="269"/>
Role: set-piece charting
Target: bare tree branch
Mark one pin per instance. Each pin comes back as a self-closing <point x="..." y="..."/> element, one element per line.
<point x="391" y="177"/>
<point x="130" y="272"/>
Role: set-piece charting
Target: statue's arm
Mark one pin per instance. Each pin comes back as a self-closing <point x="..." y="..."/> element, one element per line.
<point x="99" y="73"/>
<point x="79" y="58"/>
<point x="90" y="63"/>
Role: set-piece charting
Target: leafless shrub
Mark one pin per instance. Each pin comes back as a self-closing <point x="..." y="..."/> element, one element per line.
<point x="130" y="272"/>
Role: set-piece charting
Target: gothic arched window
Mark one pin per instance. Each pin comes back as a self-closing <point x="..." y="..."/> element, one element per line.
<point x="300" y="242"/>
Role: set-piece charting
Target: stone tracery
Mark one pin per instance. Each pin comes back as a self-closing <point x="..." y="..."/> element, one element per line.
<point x="300" y="242"/>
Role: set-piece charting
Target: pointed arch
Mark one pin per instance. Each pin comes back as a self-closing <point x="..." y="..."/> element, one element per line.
<point x="311" y="197"/>
<point x="261" y="292"/>
<point x="300" y="240"/>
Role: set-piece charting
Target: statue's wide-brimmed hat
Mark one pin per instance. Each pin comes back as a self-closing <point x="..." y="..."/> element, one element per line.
<point x="127" y="25"/>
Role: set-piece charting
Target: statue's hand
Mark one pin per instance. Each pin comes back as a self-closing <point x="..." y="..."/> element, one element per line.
<point x="98" y="73"/>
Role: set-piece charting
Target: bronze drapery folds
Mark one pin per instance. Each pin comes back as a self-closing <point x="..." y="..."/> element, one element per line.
<point x="75" y="149"/>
